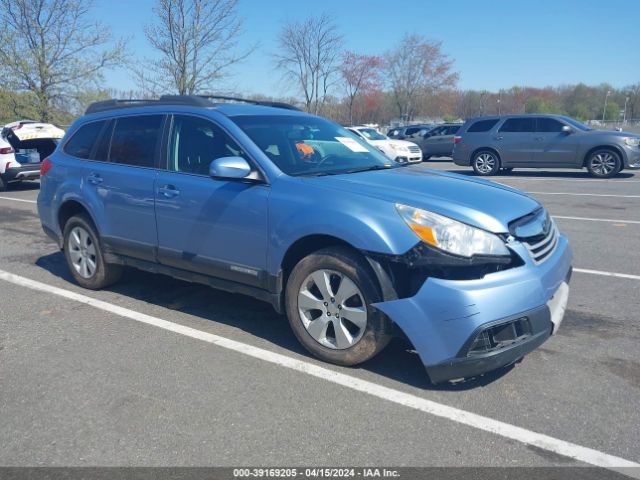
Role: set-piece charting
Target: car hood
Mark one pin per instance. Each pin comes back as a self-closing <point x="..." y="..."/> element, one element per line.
<point x="402" y="143"/>
<point x="481" y="203"/>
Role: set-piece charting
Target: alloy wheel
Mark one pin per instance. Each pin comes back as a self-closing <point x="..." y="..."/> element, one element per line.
<point x="603" y="163"/>
<point x="332" y="309"/>
<point x="485" y="163"/>
<point x="82" y="252"/>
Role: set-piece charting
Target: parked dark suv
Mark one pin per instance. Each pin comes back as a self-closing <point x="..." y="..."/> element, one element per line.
<point x="543" y="141"/>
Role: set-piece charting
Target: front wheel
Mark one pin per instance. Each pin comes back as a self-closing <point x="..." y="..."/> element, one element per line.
<point x="84" y="255"/>
<point x="328" y="302"/>
<point x="485" y="163"/>
<point x="604" y="163"/>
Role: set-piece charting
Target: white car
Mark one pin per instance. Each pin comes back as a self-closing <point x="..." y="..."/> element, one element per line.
<point x="23" y="146"/>
<point x="399" y="150"/>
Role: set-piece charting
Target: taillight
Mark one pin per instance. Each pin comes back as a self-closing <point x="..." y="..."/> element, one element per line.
<point x="457" y="139"/>
<point x="45" y="166"/>
<point x="5" y="150"/>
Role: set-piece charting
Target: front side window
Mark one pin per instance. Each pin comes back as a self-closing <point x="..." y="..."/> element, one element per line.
<point x="519" y="125"/>
<point x="81" y="144"/>
<point x="549" y="125"/>
<point x="411" y="131"/>
<point x="135" y="140"/>
<point x="195" y="142"/>
<point x="306" y="145"/>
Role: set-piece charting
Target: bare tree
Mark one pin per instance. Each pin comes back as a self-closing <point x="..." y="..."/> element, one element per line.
<point x="360" y="75"/>
<point x="52" y="50"/>
<point x="414" y="67"/>
<point x="309" y="55"/>
<point x="197" y="44"/>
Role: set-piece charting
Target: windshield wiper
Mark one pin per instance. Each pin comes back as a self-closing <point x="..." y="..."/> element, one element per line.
<point x="371" y="168"/>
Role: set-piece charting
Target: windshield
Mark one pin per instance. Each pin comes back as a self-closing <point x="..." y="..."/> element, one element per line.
<point x="371" y="134"/>
<point x="306" y="145"/>
<point x="577" y="124"/>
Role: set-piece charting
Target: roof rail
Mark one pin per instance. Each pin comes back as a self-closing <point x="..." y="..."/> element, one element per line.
<point x="264" y="103"/>
<point x="190" y="100"/>
<point x="115" y="104"/>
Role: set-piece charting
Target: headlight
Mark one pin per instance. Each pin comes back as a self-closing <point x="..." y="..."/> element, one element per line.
<point x="450" y="235"/>
<point x="632" y="141"/>
<point x="399" y="148"/>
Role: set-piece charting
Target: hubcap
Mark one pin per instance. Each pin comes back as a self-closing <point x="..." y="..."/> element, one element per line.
<point x="332" y="309"/>
<point x="603" y="163"/>
<point x="485" y="162"/>
<point x="82" y="252"/>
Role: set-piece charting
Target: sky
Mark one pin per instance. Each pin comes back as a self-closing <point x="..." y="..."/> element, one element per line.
<point x="495" y="44"/>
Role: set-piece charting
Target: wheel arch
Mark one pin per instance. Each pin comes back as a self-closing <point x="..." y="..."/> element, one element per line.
<point x="613" y="148"/>
<point x="72" y="207"/>
<point x="480" y="149"/>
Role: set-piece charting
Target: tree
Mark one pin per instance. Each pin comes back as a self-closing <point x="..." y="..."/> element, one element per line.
<point x="308" y="55"/>
<point x="196" y="41"/>
<point x="360" y="75"/>
<point x="415" y="67"/>
<point x="541" y="105"/>
<point x="50" y="49"/>
<point x="633" y="104"/>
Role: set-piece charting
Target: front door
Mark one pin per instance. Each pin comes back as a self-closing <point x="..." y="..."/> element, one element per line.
<point x="554" y="148"/>
<point x="209" y="226"/>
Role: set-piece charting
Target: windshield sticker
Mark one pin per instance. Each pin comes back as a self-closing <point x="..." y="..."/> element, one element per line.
<point x="351" y="144"/>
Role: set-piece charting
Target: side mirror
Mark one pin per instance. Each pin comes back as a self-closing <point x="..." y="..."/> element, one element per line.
<point x="229" y="168"/>
<point x="566" y="129"/>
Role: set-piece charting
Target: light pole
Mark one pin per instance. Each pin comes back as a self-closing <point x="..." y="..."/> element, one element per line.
<point x="604" y="110"/>
<point x="624" y="116"/>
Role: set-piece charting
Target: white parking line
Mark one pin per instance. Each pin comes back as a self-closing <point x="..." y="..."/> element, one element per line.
<point x="572" y="180"/>
<point x="528" y="437"/>
<point x="607" y="274"/>
<point x="585" y="194"/>
<point x="587" y="219"/>
<point x="18" y="200"/>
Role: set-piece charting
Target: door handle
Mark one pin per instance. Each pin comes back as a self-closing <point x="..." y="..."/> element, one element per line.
<point x="168" y="191"/>
<point x="499" y="137"/>
<point x="95" y="179"/>
<point x="538" y="139"/>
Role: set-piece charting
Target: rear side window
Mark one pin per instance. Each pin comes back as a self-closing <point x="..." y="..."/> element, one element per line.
<point x="135" y="140"/>
<point x="411" y="131"/>
<point x="549" y="125"/>
<point x="519" y="125"/>
<point x="482" y="126"/>
<point x="453" y="130"/>
<point x="81" y="143"/>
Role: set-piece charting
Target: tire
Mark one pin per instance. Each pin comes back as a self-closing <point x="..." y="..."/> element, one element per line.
<point x="3" y="186"/>
<point x="354" y="331"/>
<point x="485" y="163"/>
<point x="84" y="256"/>
<point x="507" y="169"/>
<point x="603" y="163"/>
<point x="426" y="158"/>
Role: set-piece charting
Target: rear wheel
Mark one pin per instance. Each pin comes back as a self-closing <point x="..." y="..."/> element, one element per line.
<point x="604" y="163"/>
<point x="328" y="301"/>
<point x="3" y="186"/>
<point x="84" y="256"/>
<point x="485" y="163"/>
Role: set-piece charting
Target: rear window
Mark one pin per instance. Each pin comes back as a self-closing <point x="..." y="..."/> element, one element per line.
<point x="81" y="143"/>
<point x="482" y="126"/>
<point x="135" y="139"/>
<point x="519" y="125"/>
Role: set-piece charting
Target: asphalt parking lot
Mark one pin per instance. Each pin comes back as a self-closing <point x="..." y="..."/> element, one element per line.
<point x="83" y="383"/>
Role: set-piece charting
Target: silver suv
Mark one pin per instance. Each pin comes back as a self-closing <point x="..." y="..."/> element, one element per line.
<point x="489" y="144"/>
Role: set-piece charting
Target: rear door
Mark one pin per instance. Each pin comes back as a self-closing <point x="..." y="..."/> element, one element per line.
<point x="554" y="148"/>
<point x="206" y="225"/>
<point x="515" y="141"/>
<point x="120" y="184"/>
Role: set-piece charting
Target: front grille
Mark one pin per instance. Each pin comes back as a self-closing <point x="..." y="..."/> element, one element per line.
<point x="500" y="336"/>
<point x="542" y="247"/>
<point x="414" y="149"/>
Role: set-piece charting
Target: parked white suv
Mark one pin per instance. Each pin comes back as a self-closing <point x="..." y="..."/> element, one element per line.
<point x="399" y="150"/>
<point x="23" y="145"/>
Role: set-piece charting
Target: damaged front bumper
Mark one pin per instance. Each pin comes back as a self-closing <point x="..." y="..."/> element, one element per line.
<point x="463" y="328"/>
